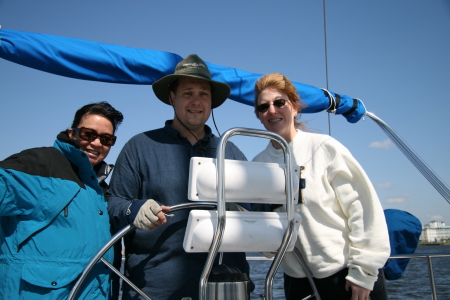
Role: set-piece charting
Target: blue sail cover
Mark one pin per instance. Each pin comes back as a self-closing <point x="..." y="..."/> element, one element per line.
<point x="90" y="60"/>
<point x="404" y="234"/>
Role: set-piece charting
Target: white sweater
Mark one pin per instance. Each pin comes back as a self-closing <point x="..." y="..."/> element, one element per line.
<point x="343" y="223"/>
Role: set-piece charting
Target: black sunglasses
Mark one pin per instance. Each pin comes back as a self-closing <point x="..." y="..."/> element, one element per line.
<point x="280" y="103"/>
<point x="90" y="135"/>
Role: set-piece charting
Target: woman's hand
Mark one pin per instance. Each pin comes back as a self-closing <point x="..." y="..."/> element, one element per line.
<point x="358" y="292"/>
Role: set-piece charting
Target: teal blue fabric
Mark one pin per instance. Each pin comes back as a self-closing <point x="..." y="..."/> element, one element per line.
<point x="43" y="246"/>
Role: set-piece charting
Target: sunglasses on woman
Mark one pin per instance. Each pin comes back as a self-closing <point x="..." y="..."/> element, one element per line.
<point x="280" y="103"/>
<point x="90" y="135"/>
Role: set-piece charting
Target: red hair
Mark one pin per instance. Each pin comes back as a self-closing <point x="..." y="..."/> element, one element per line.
<point x="283" y="84"/>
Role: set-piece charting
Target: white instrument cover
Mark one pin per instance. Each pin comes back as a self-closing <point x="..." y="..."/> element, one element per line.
<point x="244" y="231"/>
<point x="245" y="181"/>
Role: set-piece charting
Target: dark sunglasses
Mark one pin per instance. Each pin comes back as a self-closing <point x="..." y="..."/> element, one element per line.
<point x="280" y="103"/>
<point x="90" y="135"/>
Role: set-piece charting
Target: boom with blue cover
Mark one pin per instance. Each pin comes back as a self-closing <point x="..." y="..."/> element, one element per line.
<point x="90" y="60"/>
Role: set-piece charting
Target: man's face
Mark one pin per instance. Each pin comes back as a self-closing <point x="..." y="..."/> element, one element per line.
<point x="192" y="103"/>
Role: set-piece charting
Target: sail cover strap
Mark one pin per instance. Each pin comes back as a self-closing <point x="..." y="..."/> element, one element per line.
<point x="355" y="105"/>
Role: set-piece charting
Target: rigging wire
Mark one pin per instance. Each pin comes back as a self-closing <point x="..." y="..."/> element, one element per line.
<point x="415" y="159"/>
<point x="439" y="185"/>
<point x="326" y="54"/>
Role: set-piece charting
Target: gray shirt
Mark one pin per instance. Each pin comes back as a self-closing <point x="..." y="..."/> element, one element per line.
<point x="155" y="165"/>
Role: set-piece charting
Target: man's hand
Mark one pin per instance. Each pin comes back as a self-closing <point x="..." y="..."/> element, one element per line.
<point x="150" y="215"/>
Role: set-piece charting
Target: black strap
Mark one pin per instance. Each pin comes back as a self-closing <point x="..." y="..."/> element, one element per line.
<point x="338" y="100"/>
<point x="302" y="185"/>
<point x="355" y="105"/>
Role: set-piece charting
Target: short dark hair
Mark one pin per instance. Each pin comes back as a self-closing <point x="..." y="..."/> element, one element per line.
<point x="101" y="108"/>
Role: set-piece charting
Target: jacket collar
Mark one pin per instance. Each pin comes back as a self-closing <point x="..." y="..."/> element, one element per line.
<point x="102" y="170"/>
<point x="64" y="137"/>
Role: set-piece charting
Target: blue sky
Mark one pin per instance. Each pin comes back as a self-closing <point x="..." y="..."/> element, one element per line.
<point x="393" y="55"/>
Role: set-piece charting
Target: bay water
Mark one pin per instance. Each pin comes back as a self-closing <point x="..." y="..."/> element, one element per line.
<point x="414" y="284"/>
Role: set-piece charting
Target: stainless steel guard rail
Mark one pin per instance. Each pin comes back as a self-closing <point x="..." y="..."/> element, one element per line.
<point x="218" y="234"/>
<point x="423" y="168"/>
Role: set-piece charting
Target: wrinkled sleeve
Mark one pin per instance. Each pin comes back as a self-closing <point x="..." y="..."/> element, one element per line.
<point x="368" y="235"/>
<point x="124" y="187"/>
<point x="16" y="189"/>
<point x="9" y="187"/>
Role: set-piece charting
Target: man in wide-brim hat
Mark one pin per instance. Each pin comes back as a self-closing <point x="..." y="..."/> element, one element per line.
<point x="152" y="174"/>
<point x="191" y="67"/>
<point x="192" y="93"/>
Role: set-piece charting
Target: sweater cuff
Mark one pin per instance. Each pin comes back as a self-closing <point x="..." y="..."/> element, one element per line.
<point x="133" y="210"/>
<point x="362" y="278"/>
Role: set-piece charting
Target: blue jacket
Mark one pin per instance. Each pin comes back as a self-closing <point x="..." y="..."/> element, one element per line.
<point x="54" y="219"/>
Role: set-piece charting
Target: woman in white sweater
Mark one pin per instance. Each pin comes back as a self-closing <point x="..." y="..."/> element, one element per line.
<point x="343" y="234"/>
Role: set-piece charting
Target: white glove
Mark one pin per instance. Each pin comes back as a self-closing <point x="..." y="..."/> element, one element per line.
<point x="146" y="216"/>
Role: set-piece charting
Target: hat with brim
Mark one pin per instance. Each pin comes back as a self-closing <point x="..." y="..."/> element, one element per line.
<point x="193" y="67"/>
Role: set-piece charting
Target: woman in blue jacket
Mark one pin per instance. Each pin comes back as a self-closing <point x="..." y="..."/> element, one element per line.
<point x="53" y="213"/>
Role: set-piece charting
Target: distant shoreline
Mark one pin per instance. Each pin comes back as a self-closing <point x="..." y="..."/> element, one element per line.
<point x="434" y="244"/>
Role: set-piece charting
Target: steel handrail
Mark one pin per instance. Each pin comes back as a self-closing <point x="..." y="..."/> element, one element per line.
<point x="428" y="256"/>
<point x="423" y="168"/>
<point x="429" y="264"/>
<point x="218" y="234"/>
<point x="127" y="229"/>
